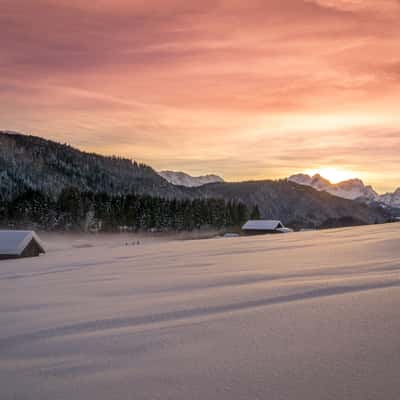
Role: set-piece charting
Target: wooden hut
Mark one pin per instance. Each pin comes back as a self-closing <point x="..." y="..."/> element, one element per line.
<point x="18" y="244"/>
<point x="260" y="227"/>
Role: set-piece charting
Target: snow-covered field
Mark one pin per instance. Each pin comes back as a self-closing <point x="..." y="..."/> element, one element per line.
<point x="312" y="315"/>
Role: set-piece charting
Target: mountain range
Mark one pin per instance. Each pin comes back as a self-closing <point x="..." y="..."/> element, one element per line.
<point x="352" y="189"/>
<point x="34" y="163"/>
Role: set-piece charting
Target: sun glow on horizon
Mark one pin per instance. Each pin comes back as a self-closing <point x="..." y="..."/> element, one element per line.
<point x="334" y="175"/>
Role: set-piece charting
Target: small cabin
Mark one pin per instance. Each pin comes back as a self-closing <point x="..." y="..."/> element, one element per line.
<point x="18" y="244"/>
<point x="260" y="227"/>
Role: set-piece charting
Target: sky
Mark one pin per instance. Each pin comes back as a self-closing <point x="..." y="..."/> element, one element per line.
<point x="246" y="89"/>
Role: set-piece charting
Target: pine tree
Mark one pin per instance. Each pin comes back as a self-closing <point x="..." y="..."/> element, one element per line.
<point x="255" y="213"/>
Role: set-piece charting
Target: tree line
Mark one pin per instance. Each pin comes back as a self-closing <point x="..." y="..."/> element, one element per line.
<point x="76" y="210"/>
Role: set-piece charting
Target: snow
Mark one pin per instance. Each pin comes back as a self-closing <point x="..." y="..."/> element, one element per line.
<point x="312" y="315"/>
<point x="391" y="199"/>
<point x="183" y="179"/>
<point x="351" y="189"/>
<point x="261" y="224"/>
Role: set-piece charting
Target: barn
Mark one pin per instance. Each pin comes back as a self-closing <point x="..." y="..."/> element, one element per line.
<point x="18" y="244"/>
<point x="260" y="227"/>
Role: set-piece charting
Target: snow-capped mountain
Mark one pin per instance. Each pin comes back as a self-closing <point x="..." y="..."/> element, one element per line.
<point x="391" y="199"/>
<point x="183" y="179"/>
<point x="351" y="189"/>
<point x="316" y="181"/>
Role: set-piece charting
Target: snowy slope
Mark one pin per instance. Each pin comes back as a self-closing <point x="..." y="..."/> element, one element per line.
<point x="354" y="189"/>
<point x="306" y="316"/>
<point x="183" y="179"/>
<point x="351" y="189"/>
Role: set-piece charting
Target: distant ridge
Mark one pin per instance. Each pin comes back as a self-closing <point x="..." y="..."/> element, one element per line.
<point x="352" y="189"/>
<point x="183" y="179"/>
<point x="299" y="206"/>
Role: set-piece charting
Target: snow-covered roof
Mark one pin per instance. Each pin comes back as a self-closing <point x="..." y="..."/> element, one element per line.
<point x="14" y="242"/>
<point x="262" y="225"/>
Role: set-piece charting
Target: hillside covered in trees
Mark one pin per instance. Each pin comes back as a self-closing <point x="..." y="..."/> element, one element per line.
<point x="30" y="162"/>
<point x="299" y="206"/>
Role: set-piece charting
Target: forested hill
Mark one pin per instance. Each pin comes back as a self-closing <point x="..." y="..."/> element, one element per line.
<point x="30" y="162"/>
<point x="298" y="206"/>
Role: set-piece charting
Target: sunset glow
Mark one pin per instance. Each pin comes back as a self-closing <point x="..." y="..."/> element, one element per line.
<point x="247" y="90"/>
<point x="334" y="175"/>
